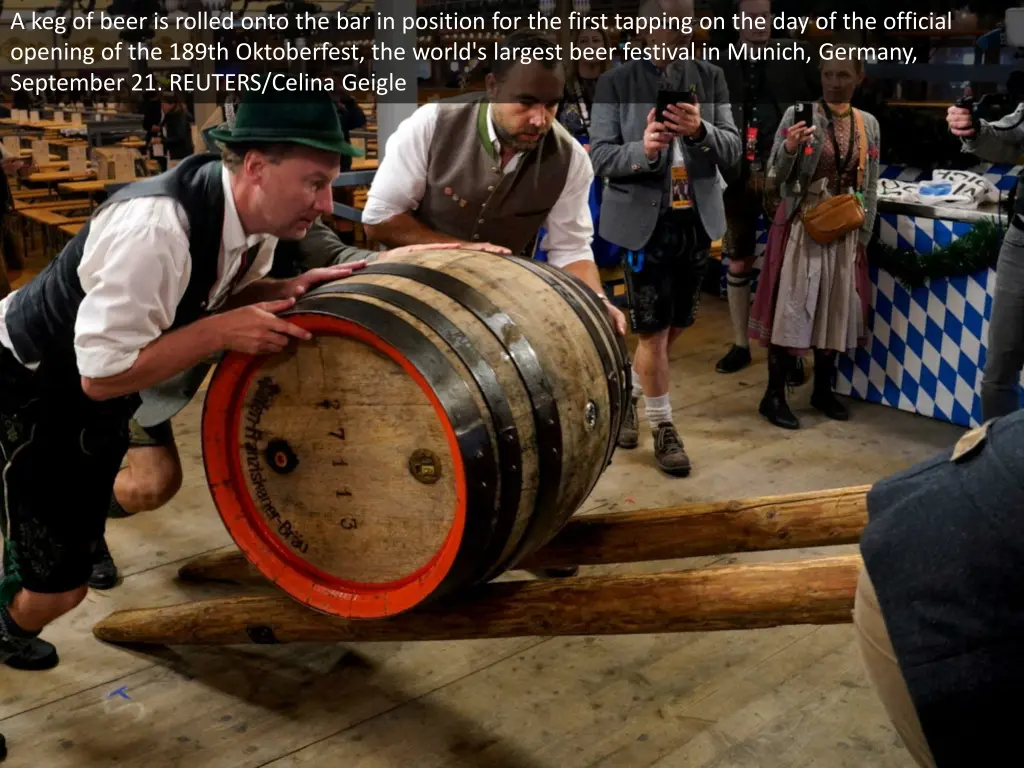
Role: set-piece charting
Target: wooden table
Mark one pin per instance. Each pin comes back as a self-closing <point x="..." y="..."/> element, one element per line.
<point x="54" y="205"/>
<point x="90" y="187"/>
<point x="57" y="176"/>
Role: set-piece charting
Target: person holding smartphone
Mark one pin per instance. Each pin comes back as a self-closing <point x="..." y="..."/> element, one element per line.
<point x="814" y="288"/>
<point x="761" y="90"/>
<point x="662" y="203"/>
<point x="997" y="141"/>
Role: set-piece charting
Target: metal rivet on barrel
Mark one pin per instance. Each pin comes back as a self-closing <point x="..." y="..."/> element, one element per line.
<point x="280" y="457"/>
<point x="590" y="414"/>
<point x="424" y="466"/>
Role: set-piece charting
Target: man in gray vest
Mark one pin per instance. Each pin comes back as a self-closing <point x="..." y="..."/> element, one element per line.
<point x="939" y="610"/>
<point x="662" y="202"/>
<point x="166" y="274"/>
<point x="761" y="90"/>
<point x="493" y="167"/>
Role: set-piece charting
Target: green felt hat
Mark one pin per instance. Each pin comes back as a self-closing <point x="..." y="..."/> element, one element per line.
<point x="312" y="122"/>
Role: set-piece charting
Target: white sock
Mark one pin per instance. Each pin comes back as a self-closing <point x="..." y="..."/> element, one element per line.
<point x="638" y="390"/>
<point x="739" y="305"/>
<point x="658" y="410"/>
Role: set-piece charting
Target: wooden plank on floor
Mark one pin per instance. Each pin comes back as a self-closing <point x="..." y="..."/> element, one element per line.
<point x="86" y="662"/>
<point x="238" y="706"/>
<point x="569" y="702"/>
<point x="808" y="706"/>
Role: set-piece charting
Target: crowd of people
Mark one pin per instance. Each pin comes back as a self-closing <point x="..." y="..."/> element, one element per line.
<point x="585" y="163"/>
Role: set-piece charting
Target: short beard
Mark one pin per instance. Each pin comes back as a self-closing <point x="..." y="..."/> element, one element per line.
<point x="508" y="140"/>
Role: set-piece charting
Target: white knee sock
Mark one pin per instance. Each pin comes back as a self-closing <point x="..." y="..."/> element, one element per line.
<point x="739" y="305"/>
<point x="658" y="410"/>
<point x="638" y="390"/>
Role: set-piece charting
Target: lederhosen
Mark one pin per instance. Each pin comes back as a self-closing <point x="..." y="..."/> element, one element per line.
<point x="61" y="450"/>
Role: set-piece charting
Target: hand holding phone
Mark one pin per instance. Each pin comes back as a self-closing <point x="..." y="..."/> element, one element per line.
<point x="804" y="114"/>
<point x="679" y="112"/>
<point x="802" y="129"/>
<point x="665" y="98"/>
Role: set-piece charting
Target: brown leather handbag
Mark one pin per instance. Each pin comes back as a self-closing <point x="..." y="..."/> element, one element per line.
<point x="831" y="219"/>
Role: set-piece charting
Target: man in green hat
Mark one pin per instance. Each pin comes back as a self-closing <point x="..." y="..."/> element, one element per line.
<point x="151" y="472"/>
<point x="169" y="272"/>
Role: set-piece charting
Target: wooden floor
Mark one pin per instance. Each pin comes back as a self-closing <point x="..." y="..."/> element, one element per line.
<point x="790" y="697"/>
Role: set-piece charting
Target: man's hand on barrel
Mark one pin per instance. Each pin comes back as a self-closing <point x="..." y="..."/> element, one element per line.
<point x="419" y="247"/>
<point x="615" y="314"/>
<point x="256" y="329"/>
<point x="295" y="287"/>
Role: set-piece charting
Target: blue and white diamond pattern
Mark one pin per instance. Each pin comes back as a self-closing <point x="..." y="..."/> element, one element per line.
<point x="926" y="350"/>
<point x="1002" y="175"/>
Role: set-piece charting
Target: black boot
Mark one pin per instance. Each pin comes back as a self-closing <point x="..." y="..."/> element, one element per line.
<point x="796" y="377"/>
<point x="773" y="405"/>
<point x="24" y="650"/>
<point x="824" y="398"/>
<point x="104" y="571"/>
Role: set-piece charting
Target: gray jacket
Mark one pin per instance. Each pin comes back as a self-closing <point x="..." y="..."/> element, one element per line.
<point x="785" y="171"/>
<point x="998" y="146"/>
<point x="635" y="187"/>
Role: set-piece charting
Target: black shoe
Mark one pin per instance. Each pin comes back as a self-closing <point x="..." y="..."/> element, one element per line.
<point x="773" y="405"/>
<point x="668" y="451"/>
<point x="823" y="398"/>
<point x="629" y="433"/>
<point x="104" y="571"/>
<point x="775" y="408"/>
<point x="797" y="375"/>
<point x="29" y="654"/>
<point x="736" y="359"/>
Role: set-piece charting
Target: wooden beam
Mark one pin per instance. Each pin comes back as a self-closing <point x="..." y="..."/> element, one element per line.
<point x="817" y="591"/>
<point x="813" y="519"/>
<point x="224" y="565"/>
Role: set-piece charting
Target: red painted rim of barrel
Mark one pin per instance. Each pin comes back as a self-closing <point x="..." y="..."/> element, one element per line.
<point x="222" y="414"/>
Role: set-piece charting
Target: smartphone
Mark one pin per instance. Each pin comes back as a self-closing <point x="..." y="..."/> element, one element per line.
<point x="672" y="97"/>
<point x="804" y="113"/>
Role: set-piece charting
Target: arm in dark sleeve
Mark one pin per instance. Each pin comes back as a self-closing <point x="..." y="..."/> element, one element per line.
<point x="321" y="247"/>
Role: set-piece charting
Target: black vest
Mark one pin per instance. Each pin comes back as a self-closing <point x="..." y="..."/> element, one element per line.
<point x="40" y="317"/>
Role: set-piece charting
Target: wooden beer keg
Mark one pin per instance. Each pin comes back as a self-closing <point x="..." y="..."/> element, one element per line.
<point x="452" y="411"/>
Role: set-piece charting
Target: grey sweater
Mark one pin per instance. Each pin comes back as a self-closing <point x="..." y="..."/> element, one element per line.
<point x="995" y="145"/>
<point x="785" y="169"/>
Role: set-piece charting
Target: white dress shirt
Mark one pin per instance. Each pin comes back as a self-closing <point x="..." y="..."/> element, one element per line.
<point x="401" y="181"/>
<point x="134" y="270"/>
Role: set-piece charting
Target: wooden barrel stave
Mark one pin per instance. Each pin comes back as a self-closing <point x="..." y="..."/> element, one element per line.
<point x="502" y="383"/>
<point x="512" y="505"/>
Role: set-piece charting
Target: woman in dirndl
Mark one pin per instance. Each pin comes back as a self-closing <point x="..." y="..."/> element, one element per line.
<point x="814" y="295"/>
<point x="574" y="114"/>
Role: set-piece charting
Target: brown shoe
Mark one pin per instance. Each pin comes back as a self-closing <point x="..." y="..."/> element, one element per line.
<point x="668" y="451"/>
<point x="629" y="433"/>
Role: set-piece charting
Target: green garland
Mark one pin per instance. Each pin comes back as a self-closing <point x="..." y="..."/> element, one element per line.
<point x="976" y="250"/>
